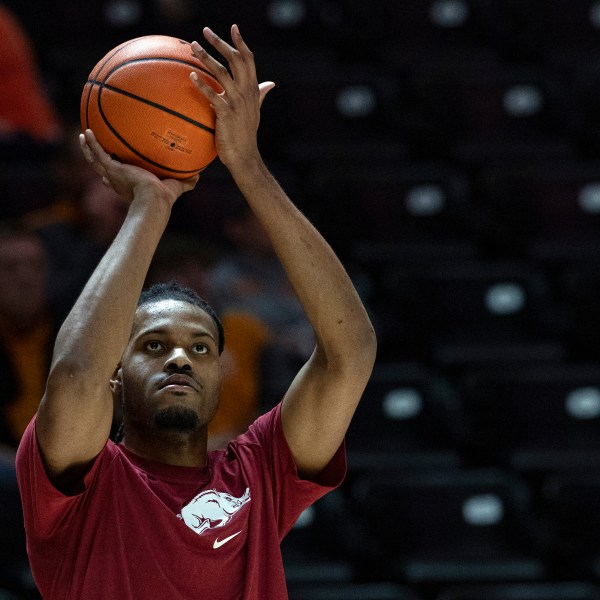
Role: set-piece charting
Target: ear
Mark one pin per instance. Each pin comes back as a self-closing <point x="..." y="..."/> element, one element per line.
<point x="116" y="381"/>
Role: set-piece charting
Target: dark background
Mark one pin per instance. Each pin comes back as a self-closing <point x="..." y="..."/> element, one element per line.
<point x="450" y="152"/>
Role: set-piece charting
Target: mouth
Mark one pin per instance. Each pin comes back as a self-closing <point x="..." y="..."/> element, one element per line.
<point x="178" y="381"/>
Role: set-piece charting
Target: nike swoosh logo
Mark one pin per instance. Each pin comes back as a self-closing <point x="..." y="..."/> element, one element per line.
<point x="218" y="543"/>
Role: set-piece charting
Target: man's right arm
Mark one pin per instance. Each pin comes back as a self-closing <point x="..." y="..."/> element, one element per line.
<point x="75" y="414"/>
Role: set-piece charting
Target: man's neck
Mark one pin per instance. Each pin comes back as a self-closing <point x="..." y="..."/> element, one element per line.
<point x="170" y="447"/>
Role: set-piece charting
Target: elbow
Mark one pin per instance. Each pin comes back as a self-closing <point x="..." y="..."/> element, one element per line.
<point x="70" y="371"/>
<point x="357" y="362"/>
<point x="366" y="355"/>
<point x="370" y="348"/>
<point x="66" y="367"/>
<point x="366" y="341"/>
<point x="63" y="375"/>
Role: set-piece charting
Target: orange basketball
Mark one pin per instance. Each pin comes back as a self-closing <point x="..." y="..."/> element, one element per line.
<point x="144" y="110"/>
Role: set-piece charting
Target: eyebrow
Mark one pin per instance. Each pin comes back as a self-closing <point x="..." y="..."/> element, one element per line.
<point x="158" y="331"/>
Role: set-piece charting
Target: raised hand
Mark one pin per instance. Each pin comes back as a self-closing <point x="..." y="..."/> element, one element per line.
<point x="237" y="108"/>
<point x="128" y="180"/>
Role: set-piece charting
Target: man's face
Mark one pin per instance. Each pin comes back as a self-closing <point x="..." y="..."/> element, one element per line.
<point x="170" y="370"/>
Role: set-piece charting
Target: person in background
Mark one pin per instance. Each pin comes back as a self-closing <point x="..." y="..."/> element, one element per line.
<point x="249" y="279"/>
<point x="25" y="107"/>
<point x="76" y="234"/>
<point x="27" y="329"/>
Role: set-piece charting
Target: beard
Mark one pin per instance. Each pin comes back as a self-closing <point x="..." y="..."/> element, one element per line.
<point x="176" y="418"/>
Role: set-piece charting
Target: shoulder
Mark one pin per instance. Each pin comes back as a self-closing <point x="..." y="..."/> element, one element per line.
<point x="266" y="429"/>
<point x="265" y="441"/>
<point x="261" y="449"/>
<point x="32" y="473"/>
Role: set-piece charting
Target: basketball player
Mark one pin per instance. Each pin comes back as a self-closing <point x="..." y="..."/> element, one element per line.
<point x="157" y="515"/>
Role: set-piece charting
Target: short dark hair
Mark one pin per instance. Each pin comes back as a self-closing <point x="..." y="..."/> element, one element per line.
<point x="175" y="291"/>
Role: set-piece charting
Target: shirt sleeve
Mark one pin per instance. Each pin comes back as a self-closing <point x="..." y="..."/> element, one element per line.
<point x="291" y="494"/>
<point x="46" y="510"/>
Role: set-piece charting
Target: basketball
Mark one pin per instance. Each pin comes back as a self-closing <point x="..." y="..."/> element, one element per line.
<point x="144" y="110"/>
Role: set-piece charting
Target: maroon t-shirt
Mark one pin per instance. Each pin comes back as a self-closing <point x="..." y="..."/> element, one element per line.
<point x="144" y="530"/>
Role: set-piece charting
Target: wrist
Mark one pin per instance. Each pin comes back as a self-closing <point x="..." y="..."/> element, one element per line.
<point x="247" y="166"/>
<point x="235" y="157"/>
<point x="149" y="198"/>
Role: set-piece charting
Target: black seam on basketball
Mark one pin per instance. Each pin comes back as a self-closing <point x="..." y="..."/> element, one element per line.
<point x="194" y="65"/>
<point x="94" y="76"/>
<point x="110" y="56"/>
<point x="87" y="107"/>
<point x="170" y="111"/>
<point x="136" y="152"/>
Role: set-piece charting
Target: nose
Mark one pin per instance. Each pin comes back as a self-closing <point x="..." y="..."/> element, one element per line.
<point x="178" y="360"/>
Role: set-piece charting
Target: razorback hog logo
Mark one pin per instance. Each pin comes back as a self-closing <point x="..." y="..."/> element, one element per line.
<point x="211" y="509"/>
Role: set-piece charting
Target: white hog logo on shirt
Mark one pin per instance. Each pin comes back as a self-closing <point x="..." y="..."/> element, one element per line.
<point x="211" y="509"/>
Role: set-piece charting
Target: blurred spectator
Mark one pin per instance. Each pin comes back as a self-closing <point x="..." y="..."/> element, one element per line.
<point x="250" y="280"/>
<point x="41" y="183"/>
<point x="71" y="176"/>
<point x="45" y="259"/>
<point x="77" y="229"/>
<point x="184" y="259"/>
<point x="27" y="329"/>
<point x="24" y="105"/>
<point x="103" y="213"/>
<point x="242" y="387"/>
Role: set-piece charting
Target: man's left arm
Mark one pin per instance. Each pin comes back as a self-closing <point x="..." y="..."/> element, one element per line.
<point x="319" y="405"/>
<point x="322" y="399"/>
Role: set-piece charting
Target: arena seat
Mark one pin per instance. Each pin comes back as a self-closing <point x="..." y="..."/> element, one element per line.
<point x="548" y="212"/>
<point x="409" y="417"/>
<point x="446" y="526"/>
<point x="354" y="591"/>
<point x="569" y="505"/>
<point x="534" y="418"/>
<point x="419" y="202"/>
<point x="568" y="590"/>
<point x="468" y="312"/>
<point x="578" y="284"/>
<point x="315" y="549"/>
